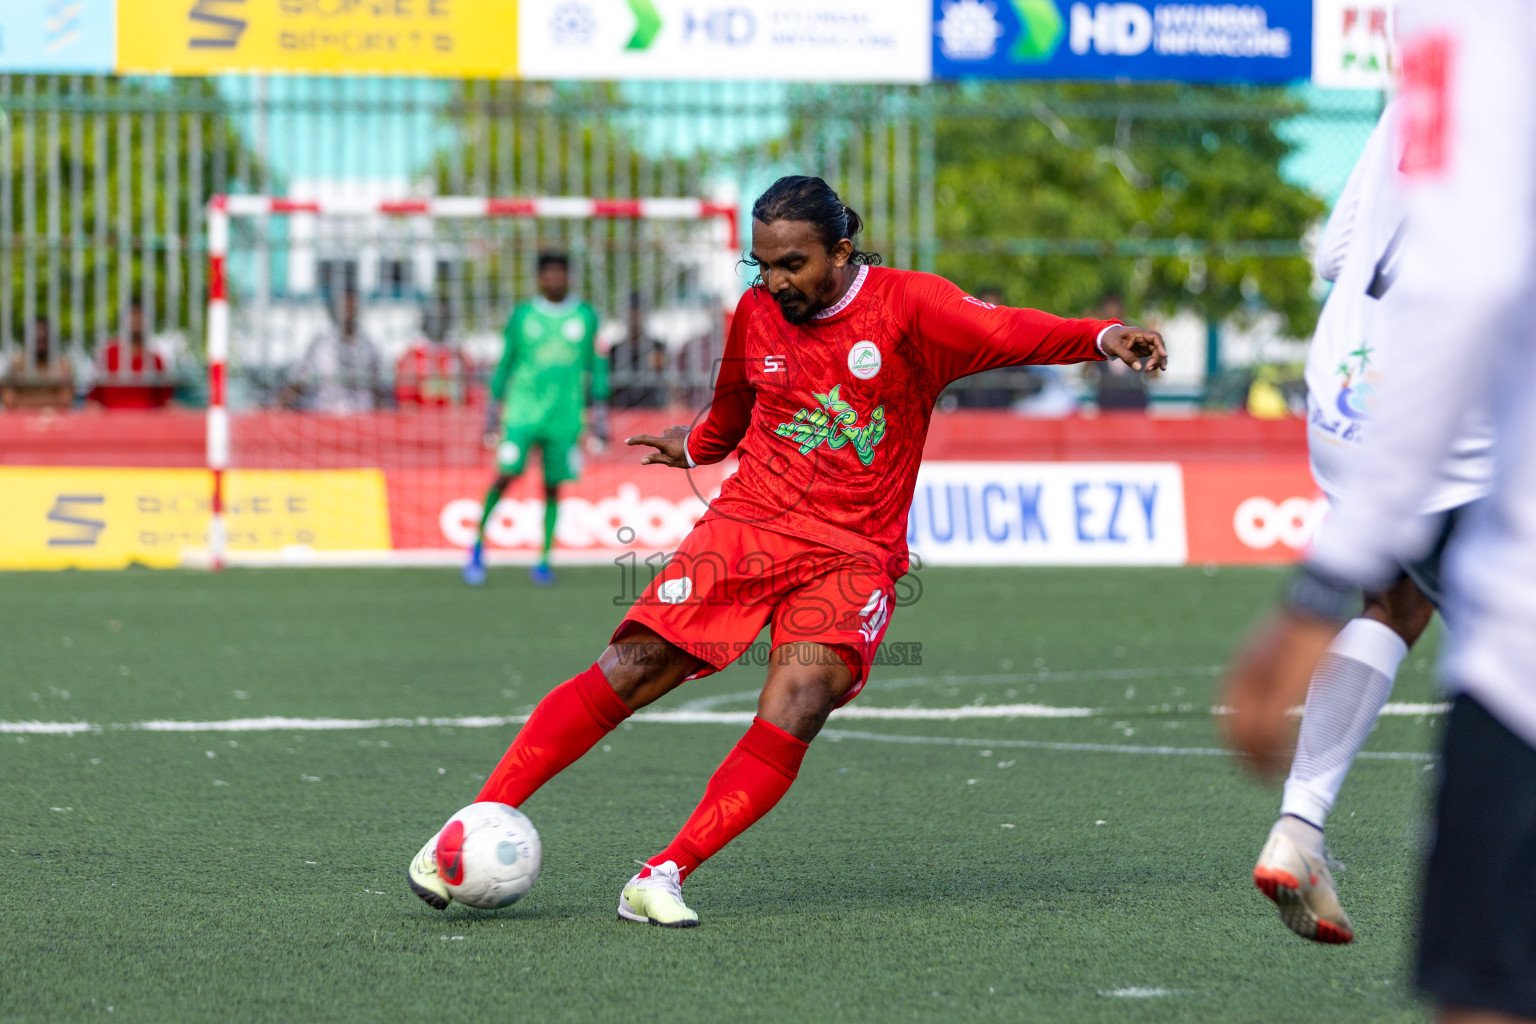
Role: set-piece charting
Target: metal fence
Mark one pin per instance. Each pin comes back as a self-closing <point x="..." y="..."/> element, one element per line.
<point x="1175" y="201"/>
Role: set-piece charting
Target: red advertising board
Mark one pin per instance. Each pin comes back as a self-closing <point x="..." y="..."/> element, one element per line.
<point x="1250" y="513"/>
<point x="611" y="509"/>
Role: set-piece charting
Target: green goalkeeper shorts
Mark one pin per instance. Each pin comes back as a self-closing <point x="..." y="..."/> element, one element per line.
<point x="561" y="455"/>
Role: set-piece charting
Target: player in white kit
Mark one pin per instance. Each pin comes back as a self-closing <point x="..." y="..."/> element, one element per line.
<point x="1359" y="252"/>
<point x="1459" y="321"/>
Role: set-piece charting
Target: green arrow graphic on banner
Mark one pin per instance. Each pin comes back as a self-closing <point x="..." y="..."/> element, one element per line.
<point x="647" y="24"/>
<point x="1042" y="30"/>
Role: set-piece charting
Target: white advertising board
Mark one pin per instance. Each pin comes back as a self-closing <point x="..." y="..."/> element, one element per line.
<point x="787" y="40"/>
<point x="1048" y="513"/>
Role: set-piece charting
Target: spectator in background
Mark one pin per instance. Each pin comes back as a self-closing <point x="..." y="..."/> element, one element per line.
<point x="637" y="366"/>
<point x="131" y="376"/>
<point x="48" y="384"/>
<point x="341" y="371"/>
<point x="1116" y="390"/>
<point x="432" y="372"/>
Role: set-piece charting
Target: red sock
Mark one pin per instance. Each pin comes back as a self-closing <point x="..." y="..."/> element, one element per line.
<point x="568" y="721"/>
<point x="753" y="777"/>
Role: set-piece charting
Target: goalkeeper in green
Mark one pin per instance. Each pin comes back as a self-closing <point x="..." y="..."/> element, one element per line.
<point x="549" y="374"/>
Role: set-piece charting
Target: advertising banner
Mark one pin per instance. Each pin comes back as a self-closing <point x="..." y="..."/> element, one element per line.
<point x="57" y="35"/>
<point x="457" y="38"/>
<point x="1269" y="41"/>
<point x="93" y="518"/>
<point x="1251" y="513"/>
<point x="788" y="40"/>
<point x="1351" y="44"/>
<point x="1048" y="513"/>
<point x="606" y="513"/>
<point x="963" y="513"/>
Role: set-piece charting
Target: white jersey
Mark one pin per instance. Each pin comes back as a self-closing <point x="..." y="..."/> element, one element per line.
<point x="1462" y="336"/>
<point x="343" y="375"/>
<point x="1359" y="252"/>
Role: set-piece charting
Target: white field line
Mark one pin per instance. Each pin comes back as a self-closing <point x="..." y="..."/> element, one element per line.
<point x="695" y="717"/>
<point x="685" y="715"/>
<point x="1037" y="676"/>
<point x="1409" y="710"/>
<point x="1100" y="748"/>
<point x="1391" y="709"/>
<point x="679" y="717"/>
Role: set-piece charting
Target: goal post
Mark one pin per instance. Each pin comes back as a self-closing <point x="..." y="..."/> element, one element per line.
<point x="394" y="475"/>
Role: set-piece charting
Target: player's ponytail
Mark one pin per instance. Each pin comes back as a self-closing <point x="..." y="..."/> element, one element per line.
<point x="805" y="198"/>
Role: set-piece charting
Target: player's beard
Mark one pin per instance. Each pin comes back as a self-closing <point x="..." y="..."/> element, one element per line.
<point x="796" y="306"/>
<point x="800" y="308"/>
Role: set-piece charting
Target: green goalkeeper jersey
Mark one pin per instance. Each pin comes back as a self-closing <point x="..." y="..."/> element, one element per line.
<point x="552" y="365"/>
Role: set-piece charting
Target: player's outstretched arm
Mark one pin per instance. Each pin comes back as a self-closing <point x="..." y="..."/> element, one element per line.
<point x="961" y="335"/>
<point x="670" y="448"/>
<point x="1136" y="347"/>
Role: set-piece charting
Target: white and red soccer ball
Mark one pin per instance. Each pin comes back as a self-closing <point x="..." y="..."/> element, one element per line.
<point x="489" y="854"/>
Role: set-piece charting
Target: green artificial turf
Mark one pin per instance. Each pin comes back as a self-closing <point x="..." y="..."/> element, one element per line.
<point x="918" y="870"/>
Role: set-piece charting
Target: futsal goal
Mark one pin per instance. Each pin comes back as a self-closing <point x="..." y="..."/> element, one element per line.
<point x="351" y="344"/>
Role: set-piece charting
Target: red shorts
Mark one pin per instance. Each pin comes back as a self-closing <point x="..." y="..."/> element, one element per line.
<point x="728" y="579"/>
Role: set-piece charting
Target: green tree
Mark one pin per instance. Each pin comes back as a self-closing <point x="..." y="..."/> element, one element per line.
<point x="1170" y="196"/>
<point x="565" y="138"/>
<point x="112" y="136"/>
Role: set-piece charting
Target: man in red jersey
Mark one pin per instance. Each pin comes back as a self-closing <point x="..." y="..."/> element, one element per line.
<point x="432" y="372"/>
<point x="828" y="380"/>
<point x="130" y="376"/>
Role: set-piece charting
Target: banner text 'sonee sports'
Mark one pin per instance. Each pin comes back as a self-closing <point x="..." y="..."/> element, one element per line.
<point x="448" y="38"/>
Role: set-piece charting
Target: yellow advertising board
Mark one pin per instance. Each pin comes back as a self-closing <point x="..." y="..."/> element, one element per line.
<point x="89" y="518"/>
<point x="450" y="38"/>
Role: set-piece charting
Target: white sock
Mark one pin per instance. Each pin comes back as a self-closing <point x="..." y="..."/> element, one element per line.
<point x="1347" y="692"/>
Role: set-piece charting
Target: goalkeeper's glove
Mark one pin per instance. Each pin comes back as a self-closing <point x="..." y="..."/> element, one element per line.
<point x="600" y="429"/>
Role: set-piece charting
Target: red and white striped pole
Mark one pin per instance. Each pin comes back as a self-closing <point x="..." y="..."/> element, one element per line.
<point x="218" y="355"/>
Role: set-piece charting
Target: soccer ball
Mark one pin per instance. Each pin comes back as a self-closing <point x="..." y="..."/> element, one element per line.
<point x="489" y="854"/>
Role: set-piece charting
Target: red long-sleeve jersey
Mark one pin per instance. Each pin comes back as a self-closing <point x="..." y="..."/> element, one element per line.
<point x="829" y="417"/>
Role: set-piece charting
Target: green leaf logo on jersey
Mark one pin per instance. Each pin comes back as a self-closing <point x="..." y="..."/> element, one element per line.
<point x="833" y="425"/>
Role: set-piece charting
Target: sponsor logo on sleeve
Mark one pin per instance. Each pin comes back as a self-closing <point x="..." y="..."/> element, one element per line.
<point x="675" y="591"/>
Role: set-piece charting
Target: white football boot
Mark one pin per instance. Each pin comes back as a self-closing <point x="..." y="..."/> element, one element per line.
<point x="657" y="898"/>
<point x="423" y="876"/>
<point x="1293" y="871"/>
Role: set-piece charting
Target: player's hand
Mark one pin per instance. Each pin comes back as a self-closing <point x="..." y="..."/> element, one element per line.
<point x="669" y="448"/>
<point x="1136" y="347"/>
<point x="1268" y="677"/>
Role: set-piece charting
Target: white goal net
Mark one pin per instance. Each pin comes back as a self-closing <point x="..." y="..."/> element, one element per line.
<point x="351" y="347"/>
